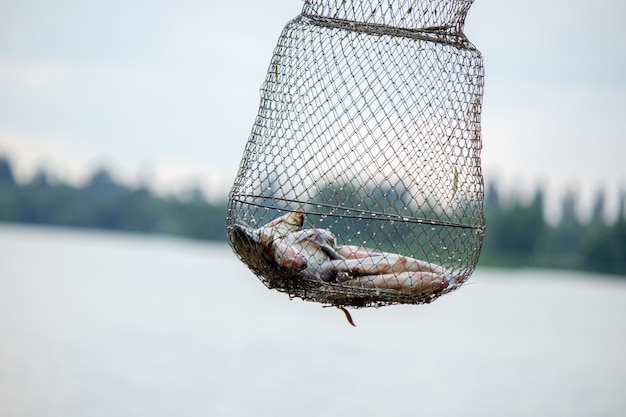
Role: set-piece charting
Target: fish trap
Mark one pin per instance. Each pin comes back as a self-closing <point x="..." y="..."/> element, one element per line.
<point x="360" y="184"/>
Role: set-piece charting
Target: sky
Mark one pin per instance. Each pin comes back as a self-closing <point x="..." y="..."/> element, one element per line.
<point x="166" y="92"/>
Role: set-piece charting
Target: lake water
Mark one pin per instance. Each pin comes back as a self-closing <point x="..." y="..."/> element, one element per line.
<point x="104" y="324"/>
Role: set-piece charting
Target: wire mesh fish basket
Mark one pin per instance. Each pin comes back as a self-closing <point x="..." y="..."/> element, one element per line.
<point x="360" y="184"/>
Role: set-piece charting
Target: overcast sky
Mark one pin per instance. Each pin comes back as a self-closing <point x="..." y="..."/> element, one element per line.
<point x="168" y="90"/>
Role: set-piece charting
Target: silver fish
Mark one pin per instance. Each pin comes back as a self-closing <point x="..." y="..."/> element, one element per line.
<point x="314" y="254"/>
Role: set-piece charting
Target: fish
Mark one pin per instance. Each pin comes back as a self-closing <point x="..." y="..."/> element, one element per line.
<point x="314" y="254"/>
<point x="256" y="246"/>
<point x="412" y="282"/>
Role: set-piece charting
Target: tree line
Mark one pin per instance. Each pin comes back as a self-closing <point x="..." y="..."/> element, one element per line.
<point x="518" y="234"/>
<point x="103" y="203"/>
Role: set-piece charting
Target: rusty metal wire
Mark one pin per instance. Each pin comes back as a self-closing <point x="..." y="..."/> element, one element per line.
<point x="369" y="121"/>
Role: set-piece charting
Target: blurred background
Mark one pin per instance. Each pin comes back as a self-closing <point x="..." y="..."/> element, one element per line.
<point x="132" y="117"/>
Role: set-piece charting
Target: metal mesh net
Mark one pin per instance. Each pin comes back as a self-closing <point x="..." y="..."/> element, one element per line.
<point x="360" y="184"/>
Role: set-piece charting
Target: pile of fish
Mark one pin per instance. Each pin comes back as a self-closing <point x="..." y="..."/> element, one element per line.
<point x="314" y="254"/>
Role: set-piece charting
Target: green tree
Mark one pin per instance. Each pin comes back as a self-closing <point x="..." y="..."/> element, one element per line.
<point x="598" y="209"/>
<point x="6" y="173"/>
<point x="605" y="251"/>
<point x="564" y="242"/>
<point x="514" y="232"/>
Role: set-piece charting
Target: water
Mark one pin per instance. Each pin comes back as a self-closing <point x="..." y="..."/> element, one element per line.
<point x="100" y="324"/>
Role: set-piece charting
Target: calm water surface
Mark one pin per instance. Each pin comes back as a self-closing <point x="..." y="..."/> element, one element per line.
<point x="100" y="324"/>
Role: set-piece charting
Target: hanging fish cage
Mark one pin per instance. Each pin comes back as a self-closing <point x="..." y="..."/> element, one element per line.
<point x="360" y="184"/>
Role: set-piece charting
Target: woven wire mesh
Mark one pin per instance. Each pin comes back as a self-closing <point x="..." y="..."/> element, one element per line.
<point x="369" y="123"/>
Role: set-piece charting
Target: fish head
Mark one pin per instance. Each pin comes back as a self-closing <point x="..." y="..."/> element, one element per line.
<point x="250" y="244"/>
<point x="288" y="223"/>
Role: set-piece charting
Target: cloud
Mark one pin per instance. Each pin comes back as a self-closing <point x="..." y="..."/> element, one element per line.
<point x="31" y="77"/>
<point x="28" y="154"/>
